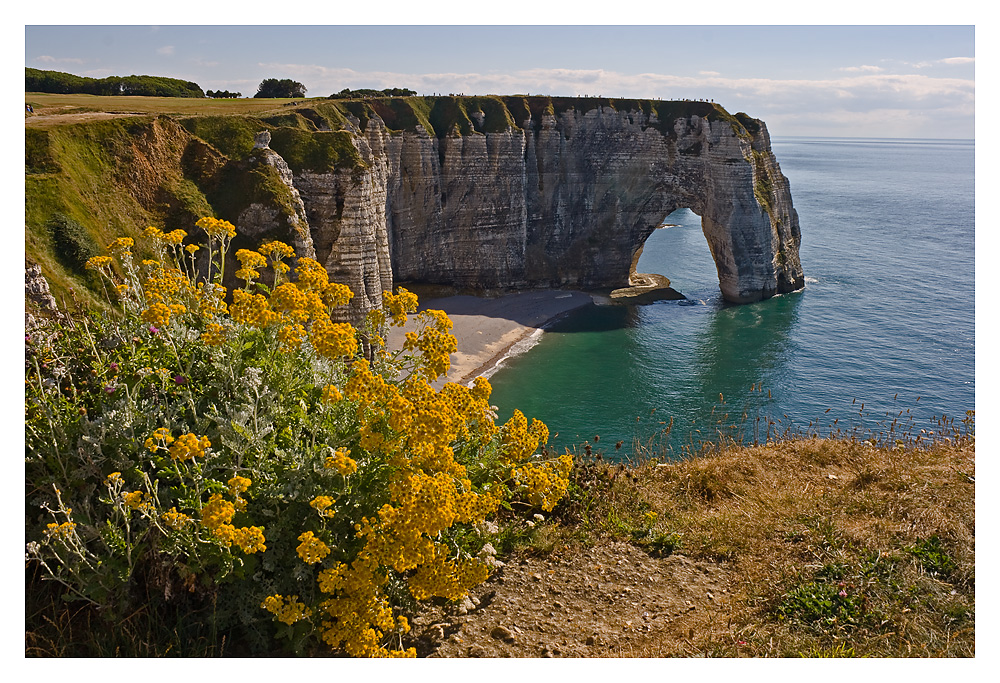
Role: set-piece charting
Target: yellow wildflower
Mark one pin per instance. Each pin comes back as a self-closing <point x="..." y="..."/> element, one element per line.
<point x="121" y="245"/>
<point x="322" y="505"/>
<point x="175" y="520"/>
<point x="98" y="262"/>
<point x="287" y="610"/>
<point x="342" y="462"/>
<point x="311" y="549"/>
<point x="188" y="446"/>
<point x="63" y="530"/>
<point x="217" y="512"/>
<point x="238" y="485"/>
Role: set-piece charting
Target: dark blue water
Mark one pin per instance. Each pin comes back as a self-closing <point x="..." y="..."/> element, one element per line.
<point x="887" y="317"/>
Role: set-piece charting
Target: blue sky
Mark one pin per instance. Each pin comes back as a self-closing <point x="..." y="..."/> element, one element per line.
<point x="871" y="81"/>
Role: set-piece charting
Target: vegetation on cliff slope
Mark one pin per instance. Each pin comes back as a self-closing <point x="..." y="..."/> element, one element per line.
<point x="230" y="466"/>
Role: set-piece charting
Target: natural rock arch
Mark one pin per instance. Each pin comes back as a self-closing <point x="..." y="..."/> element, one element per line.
<point x="566" y="201"/>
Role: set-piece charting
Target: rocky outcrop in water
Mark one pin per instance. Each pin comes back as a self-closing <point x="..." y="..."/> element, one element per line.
<point x="552" y="200"/>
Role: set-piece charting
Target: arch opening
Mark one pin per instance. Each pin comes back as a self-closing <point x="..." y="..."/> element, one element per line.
<point x="674" y="261"/>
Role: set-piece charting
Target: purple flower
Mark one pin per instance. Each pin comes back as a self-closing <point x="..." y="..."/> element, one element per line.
<point x="180" y="380"/>
<point x="842" y="593"/>
<point x="110" y="390"/>
<point x="114" y="367"/>
<point x="154" y="330"/>
<point x="27" y="339"/>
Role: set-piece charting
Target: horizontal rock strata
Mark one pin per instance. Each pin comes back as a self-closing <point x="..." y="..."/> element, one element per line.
<point x="550" y="201"/>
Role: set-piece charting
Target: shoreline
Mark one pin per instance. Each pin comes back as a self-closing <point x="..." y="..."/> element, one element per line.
<point x="489" y="330"/>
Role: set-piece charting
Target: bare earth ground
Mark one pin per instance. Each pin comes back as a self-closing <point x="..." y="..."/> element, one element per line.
<point x="608" y="600"/>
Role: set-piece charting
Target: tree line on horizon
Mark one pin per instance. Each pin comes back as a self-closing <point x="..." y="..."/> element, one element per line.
<point x="58" y="82"/>
<point x="37" y="80"/>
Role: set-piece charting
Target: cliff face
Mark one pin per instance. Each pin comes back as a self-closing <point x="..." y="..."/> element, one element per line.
<point x="556" y="200"/>
<point x="483" y="193"/>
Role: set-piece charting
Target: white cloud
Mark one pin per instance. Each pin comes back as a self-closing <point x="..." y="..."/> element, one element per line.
<point x="865" y="96"/>
<point x="709" y="73"/>
<point x="47" y="59"/>
<point x="959" y="60"/>
<point x="862" y="68"/>
<point x="167" y="50"/>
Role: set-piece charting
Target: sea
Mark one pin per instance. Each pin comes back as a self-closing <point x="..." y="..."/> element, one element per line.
<point x="880" y="341"/>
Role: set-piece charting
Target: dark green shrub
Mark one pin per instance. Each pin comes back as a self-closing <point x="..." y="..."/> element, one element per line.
<point x="72" y="244"/>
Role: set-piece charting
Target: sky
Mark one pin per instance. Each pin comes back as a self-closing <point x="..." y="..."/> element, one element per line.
<point x="807" y="80"/>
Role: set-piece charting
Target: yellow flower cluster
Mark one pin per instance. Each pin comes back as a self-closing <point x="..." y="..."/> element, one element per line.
<point x="447" y="578"/>
<point x="238" y="485"/>
<point x="519" y="440"/>
<point x="331" y="394"/>
<point x="322" y="505"/>
<point x="137" y="500"/>
<point x="333" y="340"/>
<point x="249" y="262"/>
<point x="276" y="250"/>
<point x="311" y="548"/>
<point x="188" y="446"/>
<point x="398" y="305"/>
<point x="217" y="511"/>
<point x="357" y="615"/>
<point x="287" y="610"/>
<point x="175" y="520"/>
<point x="214" y="334"/>
<point x="250" y="539"/>
<point x="545" y="483"/>
<point x="217" y="515"/>
<point x="160" y="439"/>
<point x="251" y="309"/>
<point x="166" y="285"/>
<point x="430" y="492"/>
<point x="174" y="238"/>
<point x="217" y="228"/>
<point x="98" y="262"/>
<point x="342" y="462"/>
<point x="53" y="530"/>
<point x="121" y="245"/>
<point x="296" y="304"/>
<point x="157" y="314"/>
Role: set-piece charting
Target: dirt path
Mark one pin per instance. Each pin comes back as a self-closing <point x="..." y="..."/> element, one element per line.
<point x="610" y="600"/>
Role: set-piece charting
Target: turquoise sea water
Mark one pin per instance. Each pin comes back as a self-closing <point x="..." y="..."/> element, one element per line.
<point x="887" y="318"/>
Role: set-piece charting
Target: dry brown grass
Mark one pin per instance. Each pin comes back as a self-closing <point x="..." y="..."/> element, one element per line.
<point x="801" y="516"/>
<point x="54" y="109"/>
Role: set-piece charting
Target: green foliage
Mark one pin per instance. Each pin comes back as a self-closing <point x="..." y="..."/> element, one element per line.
<point x="73" y="245"/>
<point x="846" y="595"/>
<point x="320" y="151"/>
<point x="822" y="603"/>
<point x="933" y="557"/>
<point x="285" y="87"/>
<point x="404" y="114"/>
<point x="347" y="93"/>
<point x="36" y="80"/>
<point x="231" y="135"/>
<point x="38" y="152"/>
